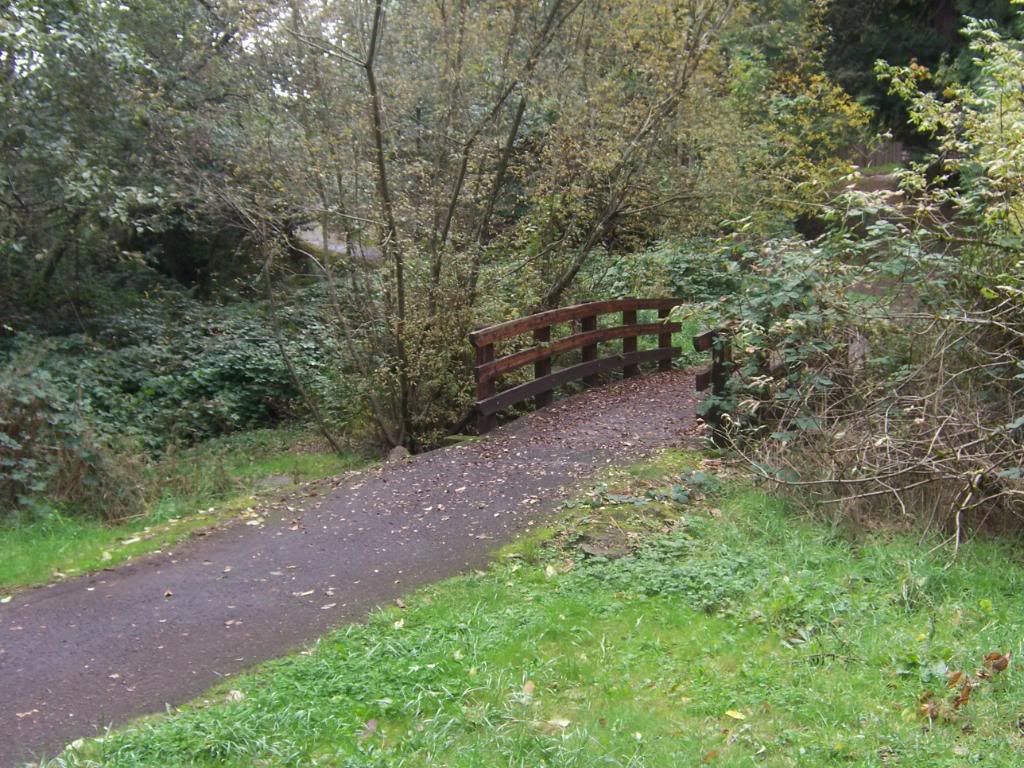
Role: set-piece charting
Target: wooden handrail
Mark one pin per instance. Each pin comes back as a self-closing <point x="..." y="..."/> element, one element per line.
<point x="714" y="376"/>
<point x="515" y="360"/>
<point x="490" y="368"/>
<point x="507" y="330"/>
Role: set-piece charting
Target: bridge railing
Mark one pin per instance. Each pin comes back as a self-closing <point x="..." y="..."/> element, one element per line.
<point x="714" y="376"/>
<point x="585" y="335"/>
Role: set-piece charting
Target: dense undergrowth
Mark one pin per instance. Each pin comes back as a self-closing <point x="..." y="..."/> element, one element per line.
<point x="732" y="632"/>
<point x="87" y="409"/>
<point x="881" y="365"/>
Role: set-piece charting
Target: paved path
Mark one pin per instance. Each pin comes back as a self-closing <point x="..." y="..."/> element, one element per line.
<point x="101" y="649"/>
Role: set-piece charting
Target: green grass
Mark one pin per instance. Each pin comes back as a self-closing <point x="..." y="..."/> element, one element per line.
<point x="736" y="634"/>
<point x="197" y="488"/>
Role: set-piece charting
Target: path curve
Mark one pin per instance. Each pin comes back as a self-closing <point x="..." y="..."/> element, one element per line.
<point x="80" y="655"/>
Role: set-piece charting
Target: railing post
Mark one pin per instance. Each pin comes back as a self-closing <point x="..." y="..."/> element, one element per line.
<point x="629" y="345"/>
<point x="664" y="340"/>
<point x="485" y="422"/>
<point x="716" y="376"/>
<point x="721" y="364"/>
<point x="721" y="367"/>
<point x="542" y="367"/>
<point x="589" y="352"/>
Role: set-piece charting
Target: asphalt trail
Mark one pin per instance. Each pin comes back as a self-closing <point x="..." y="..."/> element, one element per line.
<point x="80" y="655"/>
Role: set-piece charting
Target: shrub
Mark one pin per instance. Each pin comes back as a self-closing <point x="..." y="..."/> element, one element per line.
<point x="47" y="449"/>
<point x="170" y="371"/>
<point x="871" y="372"/>
<point x="897" y="338"/>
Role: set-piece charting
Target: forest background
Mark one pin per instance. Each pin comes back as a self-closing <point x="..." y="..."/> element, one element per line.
<point x="222" y="216"/>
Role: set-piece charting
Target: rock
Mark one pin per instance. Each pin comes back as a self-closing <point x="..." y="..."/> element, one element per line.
<point x="459" y="439"/>
<point x="398" y="453"/>
<point x="611" y="544"/>
<point x="274" y="481"/>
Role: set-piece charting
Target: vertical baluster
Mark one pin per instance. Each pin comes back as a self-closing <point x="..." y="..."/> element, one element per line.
<point x="484" y="389"/>
<point x="665" y="340"/>
<point x="542" y="367"/>
<point x="590" y="351"/>
<point x="629" y="345"/>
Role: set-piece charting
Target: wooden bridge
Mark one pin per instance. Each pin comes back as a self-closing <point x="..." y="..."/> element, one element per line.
<point x="585" y="333"/>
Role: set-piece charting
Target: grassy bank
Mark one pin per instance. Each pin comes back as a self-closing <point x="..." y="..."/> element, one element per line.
<point x="196" y="489"/>
<point x="733" y="633"/>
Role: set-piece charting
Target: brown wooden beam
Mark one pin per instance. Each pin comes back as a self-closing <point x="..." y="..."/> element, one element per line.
<point x="493" y="333"/>
<point x="702" y="380"/>
<point x="665" y="337"/>
<point x="705" y="341"/>
<point x="554" y="380"/>
<point x="587" y="340"/>
<point x="589" y="350"/>
<point x="484" y="390"/>
<point x="542" y="367"/>
<point x="629" y="343"/>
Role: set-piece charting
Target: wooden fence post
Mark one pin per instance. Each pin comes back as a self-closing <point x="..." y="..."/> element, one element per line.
<point x="716" y="376"/>
<point x="484" y="389"/>
<point x="721" y="367"/>
<point x="629" y="345"/>
<point x="664" y="340"/>
<point x="542" y="367"/>
<point x="589" y="352"/>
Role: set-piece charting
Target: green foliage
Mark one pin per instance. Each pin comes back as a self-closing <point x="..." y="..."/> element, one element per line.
<point x="883" y="357"/>
<point x="903" y="32"/>
<point x="710" y="581"/>
<point x="169" y="371"/>
<point x="691" y="270"/>
<point x="47" y="449"/>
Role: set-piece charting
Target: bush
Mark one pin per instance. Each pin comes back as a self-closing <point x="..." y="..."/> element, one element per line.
<point x="46" y="449"/>
<point x="871" y="372"/>
<point x="170" y="371"/>
<point x="694" y="270"/>
<point x="882" y="367"/>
